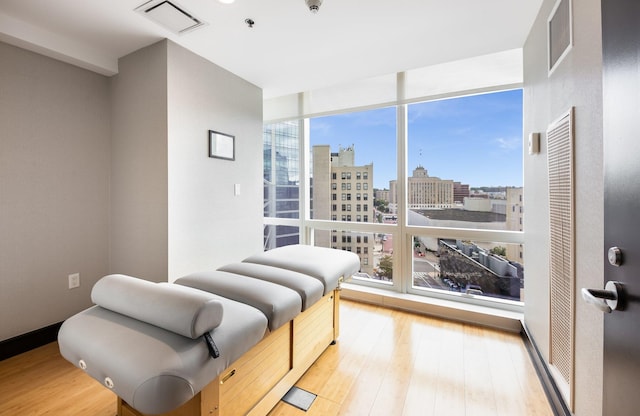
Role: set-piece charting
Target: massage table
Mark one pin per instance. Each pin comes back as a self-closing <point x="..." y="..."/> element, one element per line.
<point x="226" y="342"/>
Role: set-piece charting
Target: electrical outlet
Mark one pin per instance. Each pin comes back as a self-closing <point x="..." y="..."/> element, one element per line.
<point x="74" y="280"/>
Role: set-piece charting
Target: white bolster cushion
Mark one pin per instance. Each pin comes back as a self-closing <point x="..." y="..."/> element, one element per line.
<point x="184" y="311"/>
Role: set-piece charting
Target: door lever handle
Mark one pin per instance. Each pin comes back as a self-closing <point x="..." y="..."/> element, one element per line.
<point x="597" y="298"/>
<point x="608" y="299"/>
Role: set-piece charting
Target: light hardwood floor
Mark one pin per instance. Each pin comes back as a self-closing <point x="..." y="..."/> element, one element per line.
<point x="386" y="362"/>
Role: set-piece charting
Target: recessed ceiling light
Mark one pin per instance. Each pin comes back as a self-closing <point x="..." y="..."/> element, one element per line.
<point x="226" y="1"/>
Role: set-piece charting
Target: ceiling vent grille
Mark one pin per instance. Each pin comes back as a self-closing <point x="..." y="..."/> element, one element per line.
<point x="170" y="15"/>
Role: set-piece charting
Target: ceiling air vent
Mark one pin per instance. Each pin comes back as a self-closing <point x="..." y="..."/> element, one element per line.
<point x="170" y="15"/>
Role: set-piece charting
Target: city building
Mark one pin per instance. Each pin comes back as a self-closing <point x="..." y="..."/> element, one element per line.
<point x="471" y="266"/>
<point x="382" y="195"/>
<point x="515" y="221"/>
<point x="425" y="192"/>
<point x="460" y="192"/>
<point x="342" y="191"/>
<point x="281" y="181"/>
<point x="478" y="204"/>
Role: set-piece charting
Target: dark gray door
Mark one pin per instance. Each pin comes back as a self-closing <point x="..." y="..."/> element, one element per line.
<point x="621" y="115"/>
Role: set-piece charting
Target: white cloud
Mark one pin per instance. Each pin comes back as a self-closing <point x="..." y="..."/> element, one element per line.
<point x="507" y="144"/>
<point x="321" y="127"/>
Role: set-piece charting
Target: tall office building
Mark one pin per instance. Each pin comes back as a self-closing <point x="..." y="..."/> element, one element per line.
<point x="342" y="191"/>
<point x="281" y="181"/>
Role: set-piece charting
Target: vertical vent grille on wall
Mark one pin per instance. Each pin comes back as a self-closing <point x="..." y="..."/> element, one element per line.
<point x="562" y="269"/>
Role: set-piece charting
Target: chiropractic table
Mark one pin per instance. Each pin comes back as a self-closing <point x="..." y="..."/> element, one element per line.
<point x="226" y="342"/>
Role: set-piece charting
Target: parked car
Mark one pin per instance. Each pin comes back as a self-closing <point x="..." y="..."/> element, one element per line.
<point x="473" y="290"/>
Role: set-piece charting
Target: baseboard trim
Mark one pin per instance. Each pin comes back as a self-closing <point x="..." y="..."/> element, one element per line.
<point x="554" y="396"/>
<point x="29" y="341"/>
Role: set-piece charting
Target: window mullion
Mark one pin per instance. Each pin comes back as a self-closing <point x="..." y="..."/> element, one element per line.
<point x="402" y="264"/>
<point x="306" y="232"/>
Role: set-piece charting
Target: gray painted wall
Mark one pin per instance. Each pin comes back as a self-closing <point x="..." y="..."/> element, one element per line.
<point x="576" y="82"/>
<point x="208" y="224"/>
<point x="139" y="174"/>
<point x="102" y="175"/>
<point x="54" y="188"/>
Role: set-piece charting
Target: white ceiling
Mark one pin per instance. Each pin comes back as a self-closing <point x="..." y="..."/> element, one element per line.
<point x="288" y="49"/>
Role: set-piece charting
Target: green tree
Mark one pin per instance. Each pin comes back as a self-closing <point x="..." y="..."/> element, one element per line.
<point x="385" y="268"/>
<point x="499" y="251"/>
<point x="381" y="205"/>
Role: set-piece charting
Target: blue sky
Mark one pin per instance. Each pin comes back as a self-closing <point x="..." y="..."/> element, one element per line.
<point x="475" y="140"/>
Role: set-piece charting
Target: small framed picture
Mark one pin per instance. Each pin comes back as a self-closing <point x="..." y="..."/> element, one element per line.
<point x="221" y="145"/>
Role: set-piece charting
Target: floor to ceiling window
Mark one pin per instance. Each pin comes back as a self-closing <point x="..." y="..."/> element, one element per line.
<point x="464" y="160"/>
<point x="428" y="193"/>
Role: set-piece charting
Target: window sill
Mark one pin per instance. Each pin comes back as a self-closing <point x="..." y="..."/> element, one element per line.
<point x="457" y="311"/>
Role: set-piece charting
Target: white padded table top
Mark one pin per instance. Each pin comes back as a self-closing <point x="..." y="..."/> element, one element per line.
<point x="278" y="303"/>
<point x="325" y="264"/>
<point x="309" y="288"/>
